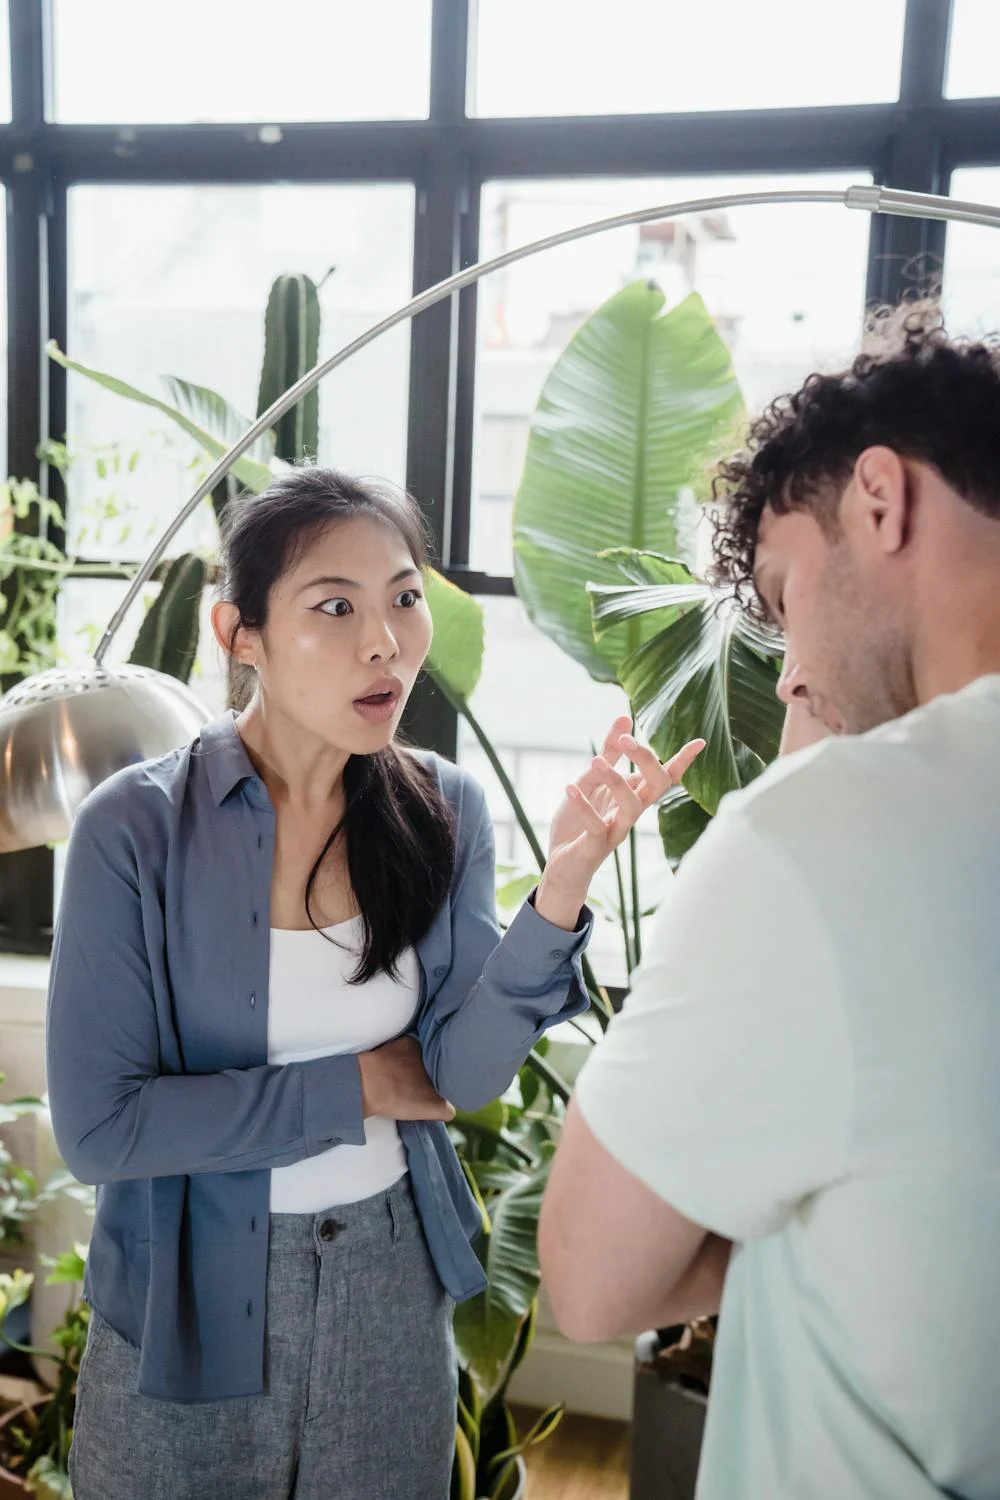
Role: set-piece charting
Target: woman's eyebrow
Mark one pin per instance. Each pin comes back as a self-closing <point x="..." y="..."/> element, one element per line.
<point x="328" y="580"/>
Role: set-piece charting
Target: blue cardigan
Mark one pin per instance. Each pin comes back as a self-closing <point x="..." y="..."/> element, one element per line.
<point x="158" y="1077"/>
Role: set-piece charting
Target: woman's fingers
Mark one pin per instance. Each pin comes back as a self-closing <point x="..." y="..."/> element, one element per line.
<point x="603" y="774"/>
<point x="658" y="775"/>
<point x="677" y="766"/>
<point x="592" y="820"/>
<point x="612" y="747"/>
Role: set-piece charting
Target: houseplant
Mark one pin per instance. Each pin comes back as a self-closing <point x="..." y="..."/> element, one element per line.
<point x="35" y="1439"/>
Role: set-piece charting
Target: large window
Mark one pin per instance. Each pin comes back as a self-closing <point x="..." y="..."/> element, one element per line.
<point x="202" y="148"/>
<point x="972" y="262"/>
<point x="974" y="53"/>
<point x="650" y="56"/>
<point x="218" y="60"/>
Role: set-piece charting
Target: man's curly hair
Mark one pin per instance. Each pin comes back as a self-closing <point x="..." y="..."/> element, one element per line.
<point x="912" y="388"/>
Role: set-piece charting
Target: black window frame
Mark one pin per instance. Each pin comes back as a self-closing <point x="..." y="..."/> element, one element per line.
<point x="912" y="143"/>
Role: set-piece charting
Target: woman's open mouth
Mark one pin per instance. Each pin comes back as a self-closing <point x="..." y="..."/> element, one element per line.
<point x="377" y="708"/>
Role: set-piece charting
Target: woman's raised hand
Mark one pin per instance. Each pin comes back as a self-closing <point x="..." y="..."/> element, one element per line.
<point x="598" y="811"/>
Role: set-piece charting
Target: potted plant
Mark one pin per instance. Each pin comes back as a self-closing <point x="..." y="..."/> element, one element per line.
<point x="35" y="1439"/>
<point x="489" y="1452"/>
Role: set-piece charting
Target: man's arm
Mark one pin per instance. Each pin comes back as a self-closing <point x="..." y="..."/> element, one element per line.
<point x="718" y="1099"/>
<point x="616" y="1259"/>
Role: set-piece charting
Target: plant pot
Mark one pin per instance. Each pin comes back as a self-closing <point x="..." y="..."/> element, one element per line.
<point x="668" y="1422"/>
<point x="519" y="1493"/>
<point x="11" y="1487"/>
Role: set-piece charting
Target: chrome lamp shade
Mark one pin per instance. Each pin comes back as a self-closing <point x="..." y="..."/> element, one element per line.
<point x="63" y="732"/>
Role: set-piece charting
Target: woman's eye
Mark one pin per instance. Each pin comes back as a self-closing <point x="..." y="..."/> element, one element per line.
<point x="408" y="598"/>
<point x="335" y="607"/>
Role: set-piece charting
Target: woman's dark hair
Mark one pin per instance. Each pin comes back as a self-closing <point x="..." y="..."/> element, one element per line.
<point x="396" y="825"/>
<point x="913" y="389"/>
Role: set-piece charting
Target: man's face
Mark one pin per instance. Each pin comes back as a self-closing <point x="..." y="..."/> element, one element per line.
<point x="846" y="646"/>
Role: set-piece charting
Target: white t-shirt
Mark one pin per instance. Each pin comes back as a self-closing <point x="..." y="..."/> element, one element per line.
<point x="809" y="1065"/>
<point x="312" y="1011"/>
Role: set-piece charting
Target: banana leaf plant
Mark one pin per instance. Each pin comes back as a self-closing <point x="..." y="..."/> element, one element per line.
<point x="621" y="442"/>
<point x="703" y="668"/>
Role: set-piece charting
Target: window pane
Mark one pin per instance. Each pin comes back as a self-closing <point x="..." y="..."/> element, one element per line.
<point x="216" y="60"/>
<point x="785" y="284"/>
<point x="541" y="711"/>
<point x="175" y="281"/>
<point x="87" y="604"/>
<point x="4" y="63"/>
<point x="974" y="50"/>
<point x="972" y="259"/>
<point x="640" y="56"/>
<point x="3" y="335"/>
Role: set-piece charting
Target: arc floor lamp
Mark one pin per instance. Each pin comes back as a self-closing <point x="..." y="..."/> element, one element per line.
<point x="63" y="731"/>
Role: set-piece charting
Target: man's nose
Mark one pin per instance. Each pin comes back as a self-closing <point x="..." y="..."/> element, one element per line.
<point x="792" y="682"/>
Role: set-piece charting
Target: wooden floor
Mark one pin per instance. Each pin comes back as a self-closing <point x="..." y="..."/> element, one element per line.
<point x="584" y="1459"/>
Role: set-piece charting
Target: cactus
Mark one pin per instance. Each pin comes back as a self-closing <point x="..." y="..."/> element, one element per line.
<point x="291" y="347"/>
<point x="168" y="636"/>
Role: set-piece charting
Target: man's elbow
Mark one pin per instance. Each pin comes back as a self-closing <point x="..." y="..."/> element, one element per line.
<point x="580" y="1316"/>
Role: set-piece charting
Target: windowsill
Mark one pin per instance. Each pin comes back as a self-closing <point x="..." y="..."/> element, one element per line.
<point x="24" y="981"/>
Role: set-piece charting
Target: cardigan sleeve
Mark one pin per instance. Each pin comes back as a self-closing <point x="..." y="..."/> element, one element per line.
<point x="501" y="993"/>
<point x="115" y="1114"/>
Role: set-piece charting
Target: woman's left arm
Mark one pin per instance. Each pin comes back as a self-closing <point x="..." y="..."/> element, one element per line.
<point x="502" y="994"/>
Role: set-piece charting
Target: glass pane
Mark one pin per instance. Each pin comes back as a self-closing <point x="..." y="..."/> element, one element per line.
<point x="972" y="259"/>
<point x="541" y="711"/>
<point x="174" y="280"/>
<point x="3" y="334"/>
<point x="4" y="63"/>
<point x="87" y="604"/>
<point x="785" y="284"/>
<point x="652" y="56"/>
<point x="974" y="50"/>
<point x="215" y="60"/>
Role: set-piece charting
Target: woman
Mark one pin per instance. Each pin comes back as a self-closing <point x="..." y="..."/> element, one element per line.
<point x="277" y="968"/>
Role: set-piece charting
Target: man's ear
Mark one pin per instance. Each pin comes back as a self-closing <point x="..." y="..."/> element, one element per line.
<point x="881" y="498"/>
<point x="231" y="636"/>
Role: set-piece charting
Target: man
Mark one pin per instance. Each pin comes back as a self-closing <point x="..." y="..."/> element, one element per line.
<point x="801" y="1098"/>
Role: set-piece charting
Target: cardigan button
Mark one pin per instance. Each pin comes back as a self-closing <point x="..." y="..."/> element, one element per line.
<point x="558" y="953"/>
<point x="440" y="971"/>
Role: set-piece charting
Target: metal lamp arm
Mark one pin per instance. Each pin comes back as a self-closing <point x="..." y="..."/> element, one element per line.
<point x="870" y="199"/>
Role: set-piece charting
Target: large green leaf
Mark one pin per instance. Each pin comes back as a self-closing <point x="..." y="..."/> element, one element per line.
<point x="456" y="656"/>
<point x="488" y="1327"/>
<point x="629" y="416"/>
<point x="168" y="636"/>
<point x="216" y="416"/>
<point x="252" y="474"/>
<point x="682" y="821"/>
<point x="704" y="671"/>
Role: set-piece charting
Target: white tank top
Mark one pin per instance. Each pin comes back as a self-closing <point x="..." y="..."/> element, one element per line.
<point x="314" y="1012"/>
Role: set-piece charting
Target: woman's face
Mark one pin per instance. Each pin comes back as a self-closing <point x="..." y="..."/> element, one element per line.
<point x="347" y="631"/>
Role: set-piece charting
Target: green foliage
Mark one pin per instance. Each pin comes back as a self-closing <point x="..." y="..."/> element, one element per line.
<point x="31" y="570"/>
<point x="291" y="348"/>
<point x="168" y="636"/>
<point x="42" y="1435"/>
<point x="253" y="474"/>
<point x="626" y="421"/>
<point x="703" y="669"/>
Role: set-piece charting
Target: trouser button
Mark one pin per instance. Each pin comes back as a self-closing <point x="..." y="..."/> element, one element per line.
<point x="329" y="1229"/>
